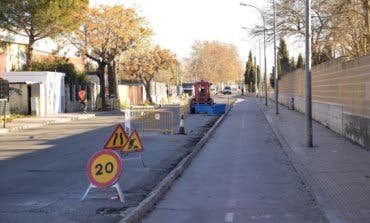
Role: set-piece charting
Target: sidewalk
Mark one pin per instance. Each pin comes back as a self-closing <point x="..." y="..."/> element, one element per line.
<point x="240" y="175"/>
<point x="336" y="170"/>
<point x="37" y="121"/>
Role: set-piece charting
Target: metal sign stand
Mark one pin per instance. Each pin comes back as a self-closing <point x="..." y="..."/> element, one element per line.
<point x="128" y="132"/>
<point x="132" y="140"/>
<point x="123" y="155"/>
<point x="105" y="162"/>
<point x="116" y="186"/>
<point x="128" y="121"/>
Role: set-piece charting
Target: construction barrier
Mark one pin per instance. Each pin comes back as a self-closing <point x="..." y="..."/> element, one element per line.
<point x="139" y="111"/>
<point x="157" y="120"/>
<point x="142" y="107"/>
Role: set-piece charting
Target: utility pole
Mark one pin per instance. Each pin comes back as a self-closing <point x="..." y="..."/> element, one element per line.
<point x="255" y="80"/>
<point x="264" y="41"/>
<point x="276" y="80"/>
<point x="259" y="50"/>
<point x="308" y="75"/>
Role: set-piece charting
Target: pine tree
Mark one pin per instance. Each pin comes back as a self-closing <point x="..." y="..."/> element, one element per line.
<point x="283" y="59"/>
<point x="300" y="63"/>
<point x="272" y="78"/>
<point x="258" y="75"/>
<point x="292" y="64"/>
<point x="250" y="72"/>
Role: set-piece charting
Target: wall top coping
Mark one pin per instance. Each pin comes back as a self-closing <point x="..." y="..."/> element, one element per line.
<point x="32" y="76"/>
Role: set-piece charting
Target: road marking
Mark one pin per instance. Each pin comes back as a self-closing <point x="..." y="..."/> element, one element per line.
<point x="232" y="203"/>
<point x="229" y="217"/>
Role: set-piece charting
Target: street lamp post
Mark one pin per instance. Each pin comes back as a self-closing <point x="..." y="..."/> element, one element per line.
<point x="276" y="82"/>
<point x="308" y="75"/>
<point x="264" y="43"/>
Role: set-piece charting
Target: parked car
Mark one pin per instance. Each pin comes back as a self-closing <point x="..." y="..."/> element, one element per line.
<point x="227" y="90"/>
<point x="213" y="90"/>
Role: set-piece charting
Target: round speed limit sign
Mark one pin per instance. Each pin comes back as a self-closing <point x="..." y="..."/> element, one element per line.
<point x="104" y="168"/>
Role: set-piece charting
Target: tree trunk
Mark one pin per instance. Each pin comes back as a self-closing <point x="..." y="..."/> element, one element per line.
<point x="115" y="79"/>
<point x="147" y="90"/>
<point x="366" y="8"/>
<point x="100" y="73"/>
<point x="111" y="81"/>
<point x="31" y="41"/>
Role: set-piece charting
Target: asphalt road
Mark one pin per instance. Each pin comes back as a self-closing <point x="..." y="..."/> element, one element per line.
<point x="43" y="170"/>
<point x="241" y="175"/>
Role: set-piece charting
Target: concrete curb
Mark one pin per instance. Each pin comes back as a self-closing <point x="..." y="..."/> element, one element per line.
<point x="329" y="212"/>
<point x="47" y="122"/>
<point x="134" y="215"/>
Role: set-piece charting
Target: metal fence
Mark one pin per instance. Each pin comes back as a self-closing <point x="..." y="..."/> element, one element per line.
<point x="147" y="118"/>
<point x="4" y="89"/>
<point x="4" y="107"/>
<point x="157" y="120"/>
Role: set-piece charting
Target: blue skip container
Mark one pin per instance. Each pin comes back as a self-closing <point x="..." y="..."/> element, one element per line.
<point x="216" y="109"/>
<point x="201" y="108"/>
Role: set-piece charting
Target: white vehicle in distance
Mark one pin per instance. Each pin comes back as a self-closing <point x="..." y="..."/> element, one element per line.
<point x="188" y="88"/>
<point x="227" y="90"/>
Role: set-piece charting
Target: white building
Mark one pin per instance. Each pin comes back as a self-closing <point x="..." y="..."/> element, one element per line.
<point x="47" y="93"/>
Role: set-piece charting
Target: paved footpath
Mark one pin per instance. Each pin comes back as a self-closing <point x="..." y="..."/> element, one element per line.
<point x="337" y="170"/>
<point x="38" y="121"/>
<point x="241" y="175"/>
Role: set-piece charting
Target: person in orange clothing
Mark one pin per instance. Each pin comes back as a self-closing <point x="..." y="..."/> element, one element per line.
<point x="82" y="99"/>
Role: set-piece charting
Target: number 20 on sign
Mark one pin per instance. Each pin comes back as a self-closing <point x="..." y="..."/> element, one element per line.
<point x="104" y="168"/>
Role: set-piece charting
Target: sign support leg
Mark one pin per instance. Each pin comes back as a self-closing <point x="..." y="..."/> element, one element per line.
<point x="119" y="191"/>
<point x="124" y="155"/>
<point x="142" y="161"/>
<point x="116" y="186"/>
<point x="87" y="191"/>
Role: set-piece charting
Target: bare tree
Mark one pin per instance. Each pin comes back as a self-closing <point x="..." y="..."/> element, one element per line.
<point x="341" y="26"/>
<point x="214" y="62"/>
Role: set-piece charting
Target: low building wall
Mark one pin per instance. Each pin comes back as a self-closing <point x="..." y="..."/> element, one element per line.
<point x="19" y="102"/>
<point x="340" y="96"/>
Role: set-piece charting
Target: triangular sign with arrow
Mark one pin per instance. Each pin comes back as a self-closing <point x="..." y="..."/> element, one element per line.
<point x="117" y="139"/>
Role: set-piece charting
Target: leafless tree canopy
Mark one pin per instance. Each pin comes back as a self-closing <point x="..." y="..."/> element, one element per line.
<point x="340" y="28"/>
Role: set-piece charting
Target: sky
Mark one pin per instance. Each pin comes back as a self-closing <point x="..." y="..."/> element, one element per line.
<point x="178" y="23"/>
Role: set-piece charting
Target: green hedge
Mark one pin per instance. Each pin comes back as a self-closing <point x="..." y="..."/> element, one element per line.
<point x="61" y="65"/>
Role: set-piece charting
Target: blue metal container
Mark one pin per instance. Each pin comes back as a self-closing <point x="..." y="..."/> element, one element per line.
<point x="216" y="109"/>
<point x="201" y="108"/>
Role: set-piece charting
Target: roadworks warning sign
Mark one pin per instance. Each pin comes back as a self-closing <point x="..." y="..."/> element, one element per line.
<point x="118" y="139"/>
<point x="133" y="144"/>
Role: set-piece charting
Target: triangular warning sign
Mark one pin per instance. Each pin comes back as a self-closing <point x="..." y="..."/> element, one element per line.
<point x="117" y="139"/>
<point x="133" y="144"/>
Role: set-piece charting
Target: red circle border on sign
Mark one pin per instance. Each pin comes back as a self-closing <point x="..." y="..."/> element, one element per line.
<point x="115" y="178"/>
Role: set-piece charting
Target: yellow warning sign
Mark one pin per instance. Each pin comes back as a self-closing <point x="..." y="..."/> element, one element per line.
<point x="104" y="168"/>
<point x="133" y="144"/>
<point x="117" y="139"/>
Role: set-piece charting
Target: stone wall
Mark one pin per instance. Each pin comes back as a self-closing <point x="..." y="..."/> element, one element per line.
<point x="19" y="102"/>
<point x="340" y="96"/>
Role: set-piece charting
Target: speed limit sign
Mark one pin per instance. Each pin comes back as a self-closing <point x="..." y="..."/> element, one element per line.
<point x="104" y="168"/>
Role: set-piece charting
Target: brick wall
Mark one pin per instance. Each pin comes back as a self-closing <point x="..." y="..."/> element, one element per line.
<point x="340" y="96"/>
